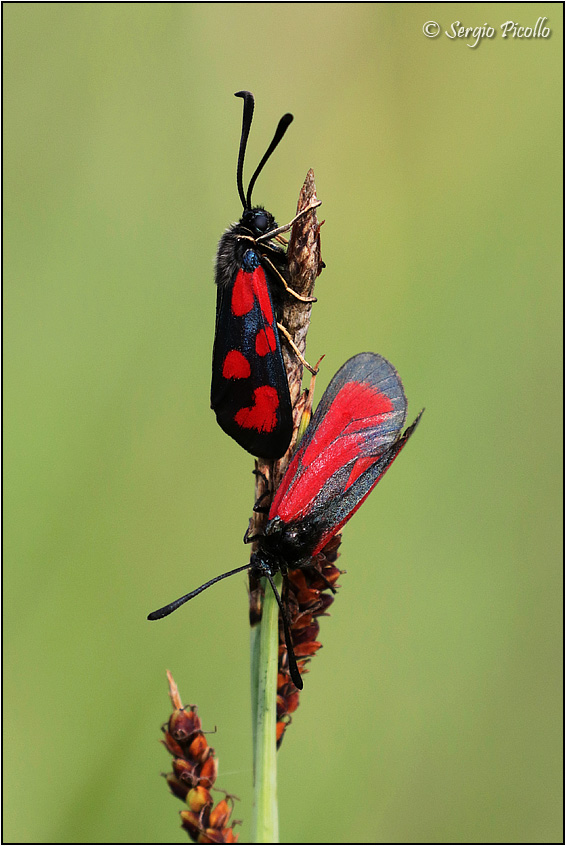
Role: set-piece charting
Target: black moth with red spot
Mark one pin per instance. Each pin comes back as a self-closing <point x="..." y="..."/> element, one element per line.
<point x="351" y="440"/>
<point x="250" y="391"/>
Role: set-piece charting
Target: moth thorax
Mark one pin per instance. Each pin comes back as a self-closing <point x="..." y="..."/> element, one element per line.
<point x="250" y="261"/>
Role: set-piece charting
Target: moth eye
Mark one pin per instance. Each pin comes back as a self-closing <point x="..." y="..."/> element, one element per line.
<point x="261" y="221"/>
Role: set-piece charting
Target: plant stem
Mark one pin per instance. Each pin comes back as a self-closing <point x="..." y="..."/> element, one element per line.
<point x="305" y="264"/>
<point x="265" y="827"/>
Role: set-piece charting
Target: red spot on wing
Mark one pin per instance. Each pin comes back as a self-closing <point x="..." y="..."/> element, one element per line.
<point x="265" y="341"/>
<point x="236" y="366"/>
<point x="249" y="287"/>
<point x="262" y="416"/>
<point x="242" y="294"/>
<point x="261" y="291"/>
<point x="336" y="443"/>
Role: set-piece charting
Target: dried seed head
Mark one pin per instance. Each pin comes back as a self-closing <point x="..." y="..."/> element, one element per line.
<point x="177" y="788"/>
<point x="194" y="773"/>
<point x="183" y="724"/>
<point x="185" y="771"/>
<point x="172" y="746"/>
<point x="220" y="815"/>
<point x="208" y="772"/>
<point x="198" y="798"/>
<point x="191" y="823"/>
<point x="199" y="749"/>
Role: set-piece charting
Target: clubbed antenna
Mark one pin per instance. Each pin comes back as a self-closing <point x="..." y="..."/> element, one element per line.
<point x="282" y="126"/>
<point x="279" y="133"/>
<point x="172" y="606"/>
<point x="248" y="98"/>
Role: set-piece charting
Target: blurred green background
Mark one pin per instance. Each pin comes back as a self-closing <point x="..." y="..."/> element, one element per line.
<point x="433" y="712"/>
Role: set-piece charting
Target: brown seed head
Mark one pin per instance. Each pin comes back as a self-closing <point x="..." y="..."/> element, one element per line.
<point x="194" y="773"/>
<point x="199" y="798"/>
<point x="183" y="724"/>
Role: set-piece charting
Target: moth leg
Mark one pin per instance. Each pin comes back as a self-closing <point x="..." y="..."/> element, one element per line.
<point x="296" y="350"/>
<point x="269" y="235"/>
<point x="325" y="580"/>
<point x="293" y="668"/>
<point x="258" y="508"/>
<point x="262" y="475"/>
<point x="287" y="288"/>
<point x="249" y="538"/>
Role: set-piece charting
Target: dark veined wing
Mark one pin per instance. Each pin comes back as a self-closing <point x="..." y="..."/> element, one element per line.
<point x="250" y="392"/>
<point x="334" y="514"/>
<point x="353" y="437"/>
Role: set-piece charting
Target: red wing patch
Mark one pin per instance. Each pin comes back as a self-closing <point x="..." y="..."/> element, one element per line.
<point x="262" y="416"/>
<point x="358" y="468"/>
<point x="248" y="288"/>
<point x="242" y="294"/>
<point x="355" y="407"/>
<point x="336" y="443"/>
<point x="259" y="284"/>
<point x="236" y="366"/>
<point x="265" y="341"/>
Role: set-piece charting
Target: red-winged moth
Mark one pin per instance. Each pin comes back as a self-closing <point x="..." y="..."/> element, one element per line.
<point x="250" y="391"/>
<point x="352" y="439"/>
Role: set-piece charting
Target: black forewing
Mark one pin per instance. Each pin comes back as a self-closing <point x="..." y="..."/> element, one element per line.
<point x="253" y="407"/>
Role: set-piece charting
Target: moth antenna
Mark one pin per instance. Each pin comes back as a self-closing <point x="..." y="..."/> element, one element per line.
<point x="248" y="98"/>
<point x="282" y="127"/>
<point x="293" y="669"/>
<point x="168" y="609"/>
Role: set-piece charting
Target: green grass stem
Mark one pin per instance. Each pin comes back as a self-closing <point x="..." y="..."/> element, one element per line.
<point x="264" y="653"/>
